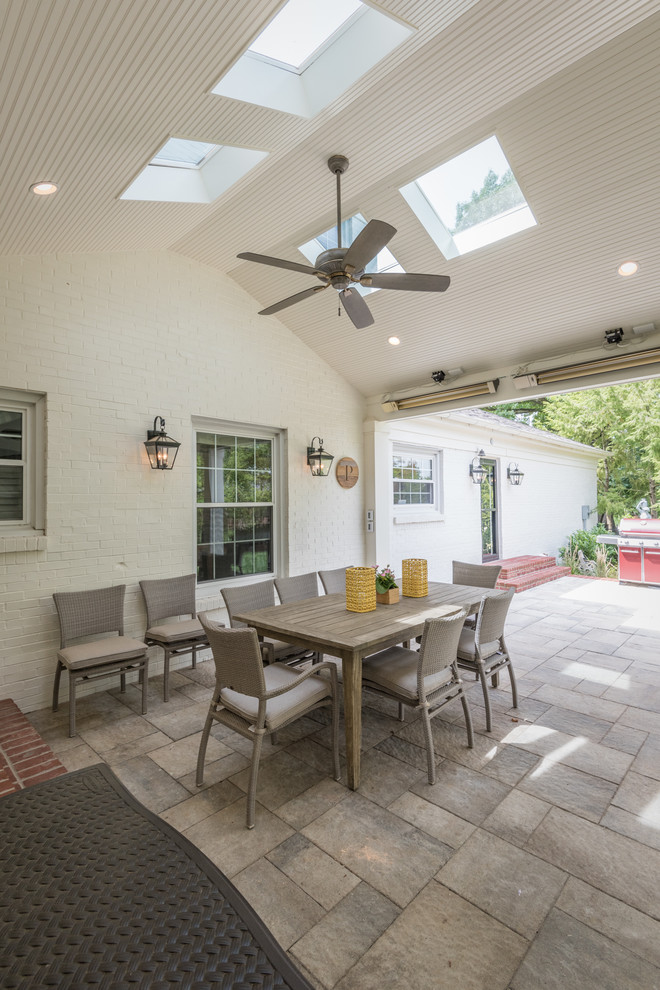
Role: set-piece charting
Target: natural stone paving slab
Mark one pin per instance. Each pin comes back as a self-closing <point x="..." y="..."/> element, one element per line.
<point x="574" y="751"/>
<point x="613" y="863"/>
<point x="201" y="805"/>
<point x="516" y="817"/>
<point x="353" y="925"/>
<point x="312" y="803"/>
<point x="609" y="710"/>
<point x="566" y="955"/>
<point x="224" y="838"/>
<point x="570" y="789"/>
<point x="280" y="780"/>
<point x="287" y="910"/>
<point x="647" y="761"/>
<point x="313" y="871"/>
<point x="625" y="738"/>
<point x="379" y="847"/>
<point x="575" y="723"/>
<point x="513" y="886"/>
<point x="150" y="784"/>
<point x="216" y="771"/>
<point x="510" y="764"/>
<point x="628" y="824"/>
<point x="384" y="778"/>
<point x="619" y="921"/>
<point x="464" y="792"/>
<point x="637" y="718"/>
<point x="441" y="824"/>
<point x="439" y="940"/>
<point x="602" y="640"/>
<point x="180" y="757"/>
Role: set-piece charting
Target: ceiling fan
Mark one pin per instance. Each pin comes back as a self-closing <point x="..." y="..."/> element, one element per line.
<point x="341" y="267"/>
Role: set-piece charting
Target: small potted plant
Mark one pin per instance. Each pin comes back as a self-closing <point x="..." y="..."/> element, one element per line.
<point x="387" y="590"/>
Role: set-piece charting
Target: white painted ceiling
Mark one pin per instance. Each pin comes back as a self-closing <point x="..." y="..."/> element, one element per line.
<point x="90" y="90"/>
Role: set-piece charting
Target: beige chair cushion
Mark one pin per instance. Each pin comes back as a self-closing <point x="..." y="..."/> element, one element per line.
<point x="396" y="670"/>
<point x="173" y="632"/>
<point x="101" y="651"/>
<point x="467" y="650"/>
<point x="286" y="706"/>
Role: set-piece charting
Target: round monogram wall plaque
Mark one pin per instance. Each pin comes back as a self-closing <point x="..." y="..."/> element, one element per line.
<point x="347" y="472"/>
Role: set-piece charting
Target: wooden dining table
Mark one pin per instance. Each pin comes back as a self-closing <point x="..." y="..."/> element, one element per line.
<point x="324" y="625"/>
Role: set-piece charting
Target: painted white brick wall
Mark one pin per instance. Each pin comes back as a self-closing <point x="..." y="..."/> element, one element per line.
<point x="114" y="340"/>
<point x="534" y="518"/>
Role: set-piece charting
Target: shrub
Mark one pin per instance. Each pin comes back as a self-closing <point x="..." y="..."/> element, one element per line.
<point x="603" y="556"/>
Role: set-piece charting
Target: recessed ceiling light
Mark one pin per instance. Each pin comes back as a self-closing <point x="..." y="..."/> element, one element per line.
<point x="44" y="188"/>
<point x="394" y="341"/>
<point x="628" y="268"/>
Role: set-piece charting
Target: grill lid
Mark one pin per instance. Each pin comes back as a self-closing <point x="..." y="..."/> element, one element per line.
<point x="640" y="527"/>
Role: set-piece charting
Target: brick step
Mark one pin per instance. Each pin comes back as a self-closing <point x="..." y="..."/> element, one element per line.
<point x="532" y="579"/>
<point x="513" y="566"/>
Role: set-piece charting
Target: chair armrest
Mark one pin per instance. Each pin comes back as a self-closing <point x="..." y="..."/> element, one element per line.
<point x="312" y="672"/>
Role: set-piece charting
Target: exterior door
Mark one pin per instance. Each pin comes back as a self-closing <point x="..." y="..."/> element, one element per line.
<point x="489" y="539"/>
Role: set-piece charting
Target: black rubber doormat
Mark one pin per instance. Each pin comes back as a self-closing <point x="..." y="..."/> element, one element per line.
<point x="97" y="891"/>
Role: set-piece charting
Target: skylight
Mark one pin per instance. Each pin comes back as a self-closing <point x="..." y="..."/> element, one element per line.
<point x="184" y="154"/>
<point x="310" y="54"/>
<point x="191" y="172"/>
<point x="470" y="201"/>
<point x="383" y="262"/>
<point x="301" y="28"/>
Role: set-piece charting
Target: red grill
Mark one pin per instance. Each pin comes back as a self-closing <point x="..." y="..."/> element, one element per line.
<point x="639" y="550"/>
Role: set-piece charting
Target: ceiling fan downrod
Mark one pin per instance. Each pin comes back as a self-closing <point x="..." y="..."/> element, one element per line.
<point x="338" y="164"/>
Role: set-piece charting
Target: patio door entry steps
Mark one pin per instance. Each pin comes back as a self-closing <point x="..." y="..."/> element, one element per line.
<point x="528" y="571"/>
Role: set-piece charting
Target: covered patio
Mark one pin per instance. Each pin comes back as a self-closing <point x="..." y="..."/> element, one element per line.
<point x="534" y="861"/>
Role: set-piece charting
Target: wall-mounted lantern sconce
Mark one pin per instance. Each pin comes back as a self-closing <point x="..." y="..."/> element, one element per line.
<point x="319" y="460"/>
<point x="477" y="471"/>
<point x="514" y="474"/>
<point x="162" y="450"/>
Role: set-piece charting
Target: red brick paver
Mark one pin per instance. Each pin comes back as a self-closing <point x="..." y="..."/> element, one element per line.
<point x="24" y="756"/>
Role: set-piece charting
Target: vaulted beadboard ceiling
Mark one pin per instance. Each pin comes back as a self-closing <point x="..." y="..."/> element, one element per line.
<point x="91" y="90"/>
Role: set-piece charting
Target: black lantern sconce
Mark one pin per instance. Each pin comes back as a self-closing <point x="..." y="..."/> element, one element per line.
<point x="319" y="460"/>
<point x="514" y="474"/>
<point x="162" y="450"/>
<point x="477" y="471"/>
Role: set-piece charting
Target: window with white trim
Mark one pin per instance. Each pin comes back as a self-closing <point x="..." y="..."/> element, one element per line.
<point x="21" y="461"/>
<point x="236" y="484"/>
<point x="416" y="479"/>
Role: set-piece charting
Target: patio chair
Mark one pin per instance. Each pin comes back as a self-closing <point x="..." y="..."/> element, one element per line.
<point x="83" y="614"/>
<point x="483" y="649"/>
<point x="256" y="701"/>
<point x="246" y="598"/>
<point x="334" y="582"/>
<point x="476" y="576"/>
<point x="167" y="598"/>
<point x="426" y="680"/>
<point x="297" y="588"/>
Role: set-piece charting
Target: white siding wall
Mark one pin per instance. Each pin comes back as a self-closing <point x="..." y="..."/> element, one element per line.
<point x="114" y="341"/>
<point x="534" y="518"/>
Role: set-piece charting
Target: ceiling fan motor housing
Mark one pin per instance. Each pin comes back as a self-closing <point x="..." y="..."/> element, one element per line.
<point x="331" y="263"/>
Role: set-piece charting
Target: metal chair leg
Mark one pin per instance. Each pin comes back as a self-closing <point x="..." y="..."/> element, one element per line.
<point x="56" y="685"/>
<point x="484" y="686"/>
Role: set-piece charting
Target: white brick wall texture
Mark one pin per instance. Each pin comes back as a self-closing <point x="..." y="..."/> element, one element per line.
<point x="534" y="518"/>
<point x="114" y="340"/>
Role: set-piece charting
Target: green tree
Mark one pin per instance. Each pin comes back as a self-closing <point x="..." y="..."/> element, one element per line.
<point x="496" y="196"/>
<point x="624" y="421"/>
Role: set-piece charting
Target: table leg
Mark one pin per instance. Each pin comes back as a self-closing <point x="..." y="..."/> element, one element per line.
<point x="352" y="679"/>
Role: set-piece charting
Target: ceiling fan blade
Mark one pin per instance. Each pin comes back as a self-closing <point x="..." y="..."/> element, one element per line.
<point x="263" y="259"/>
<point x="368" y="243"/>
<point x="409" y="281"/>
<point x="356" y="308"/>
<point x="291" y="300"/>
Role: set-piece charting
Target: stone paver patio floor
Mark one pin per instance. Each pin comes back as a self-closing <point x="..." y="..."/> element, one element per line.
<point x="532" y="864"/>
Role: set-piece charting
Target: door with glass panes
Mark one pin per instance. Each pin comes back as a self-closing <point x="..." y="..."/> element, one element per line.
<point x="489" y="522"/>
